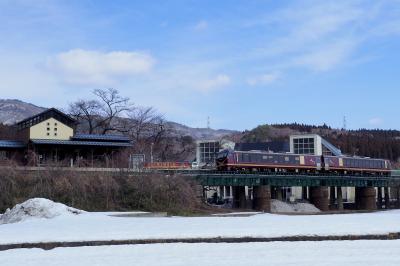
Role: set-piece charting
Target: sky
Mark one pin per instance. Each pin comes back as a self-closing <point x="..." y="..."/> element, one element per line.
<point x="241" y="63"/>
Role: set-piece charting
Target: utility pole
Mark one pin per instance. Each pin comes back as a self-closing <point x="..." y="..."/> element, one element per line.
<point x="151" y="152"/>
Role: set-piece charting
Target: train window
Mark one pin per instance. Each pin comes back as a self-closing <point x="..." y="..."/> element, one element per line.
<point x="297" y="158"/>
<point x="254" y="157"/>
<point x="265" y="157"/>
<point x="286" y="159"/>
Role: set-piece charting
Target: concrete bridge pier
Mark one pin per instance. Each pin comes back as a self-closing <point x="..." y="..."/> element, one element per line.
<point x="319" y="197"/>
<point x="279" y="194"/>
<point x="366" y="198"/>
<point x="339" y="198"/>
<point x="276" y="193"/>
<point x="380" y="198"/>
<point x="332" y="198"/>
<point x="387" y="198"/>
<point x="239" y="197"/>
<point x="304" y="193"/>
<point x="335" y="198"/>
<point x="262" y="198"/>
<point x="398" y="197"/>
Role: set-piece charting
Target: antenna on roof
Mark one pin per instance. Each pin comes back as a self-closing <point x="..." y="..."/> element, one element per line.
<point x="208" y="122"/>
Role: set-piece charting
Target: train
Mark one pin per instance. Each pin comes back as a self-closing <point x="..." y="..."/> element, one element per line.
<point x="229" y="160"/>
<point x="167" y="165"/>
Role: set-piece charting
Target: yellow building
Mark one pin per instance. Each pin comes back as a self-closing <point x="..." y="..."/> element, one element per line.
<point x="48" y="138"/>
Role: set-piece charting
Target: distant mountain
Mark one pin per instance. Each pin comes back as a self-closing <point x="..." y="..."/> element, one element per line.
<point x="12" y="110"/>
<point x="200" y="133"/>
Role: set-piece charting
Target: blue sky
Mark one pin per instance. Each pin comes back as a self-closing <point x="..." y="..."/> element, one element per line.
<point x="242" y="63"/>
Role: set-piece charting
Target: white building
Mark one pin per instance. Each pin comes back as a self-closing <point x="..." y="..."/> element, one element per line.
<point x="312" y="144"/>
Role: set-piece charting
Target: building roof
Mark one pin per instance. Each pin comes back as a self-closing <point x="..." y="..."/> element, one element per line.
<point x="275" y="146"/>
<point x="80" y="143"/>
<point x="12" y="144"/>
<point x="49" y="113"/>
<point x="114" y="138"/>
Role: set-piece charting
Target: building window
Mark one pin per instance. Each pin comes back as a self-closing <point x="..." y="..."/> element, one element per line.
<point x="55" y="124"/>
<point x="48" y="129"/>
<point x="48" y="134"/>
<point x="55" y="129"/>
<point x="304" y="146"/>
<point x="48" y="123"/>
<point x="208" y="151"/>
<point x="55" y="134"/>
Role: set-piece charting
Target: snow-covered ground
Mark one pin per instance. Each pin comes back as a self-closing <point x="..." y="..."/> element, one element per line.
<point x="352" y="253"/>
<point x="100" y="226"/>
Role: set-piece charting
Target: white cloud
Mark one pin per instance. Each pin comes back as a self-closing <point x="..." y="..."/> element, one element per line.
<point x="327" y="57"/>
<point x="201" y="25"/>
<point x="83" y="67"/>
<point x="210" y="84"/>
<point x="265" y="79"/>
<point x="376" y="121"/>
<point x="323" y="35"/>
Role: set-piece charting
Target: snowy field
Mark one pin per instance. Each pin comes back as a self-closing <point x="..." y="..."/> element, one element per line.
<point x="100" y="226"/>
<point x="353" y="253"/>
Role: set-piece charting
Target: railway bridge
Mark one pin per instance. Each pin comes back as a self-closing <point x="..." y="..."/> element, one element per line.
<point x="323" y="190"/>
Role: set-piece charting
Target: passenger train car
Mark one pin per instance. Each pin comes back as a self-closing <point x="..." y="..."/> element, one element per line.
<point x="229" y="160"/>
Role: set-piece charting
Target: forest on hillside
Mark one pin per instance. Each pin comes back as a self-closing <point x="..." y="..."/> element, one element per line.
<point x="376" y="143"/>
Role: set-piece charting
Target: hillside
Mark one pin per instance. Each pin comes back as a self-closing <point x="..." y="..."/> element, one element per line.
<point x="12" y="110"/>
<point x="363" y="142"/>
<point x="200" y="133"/>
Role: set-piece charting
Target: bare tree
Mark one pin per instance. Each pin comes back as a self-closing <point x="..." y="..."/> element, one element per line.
<point x="143" y="122"/>
<point x="87" y="111"/>
<point x="145" y="126"/>
<point x="102" y="114"/>
<point x="111" y="112"/>
<point x="112" y="106"/>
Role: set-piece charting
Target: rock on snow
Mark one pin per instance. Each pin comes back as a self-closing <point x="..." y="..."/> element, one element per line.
<point x="36" y="208"/>
<point x="278" y="206"/>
